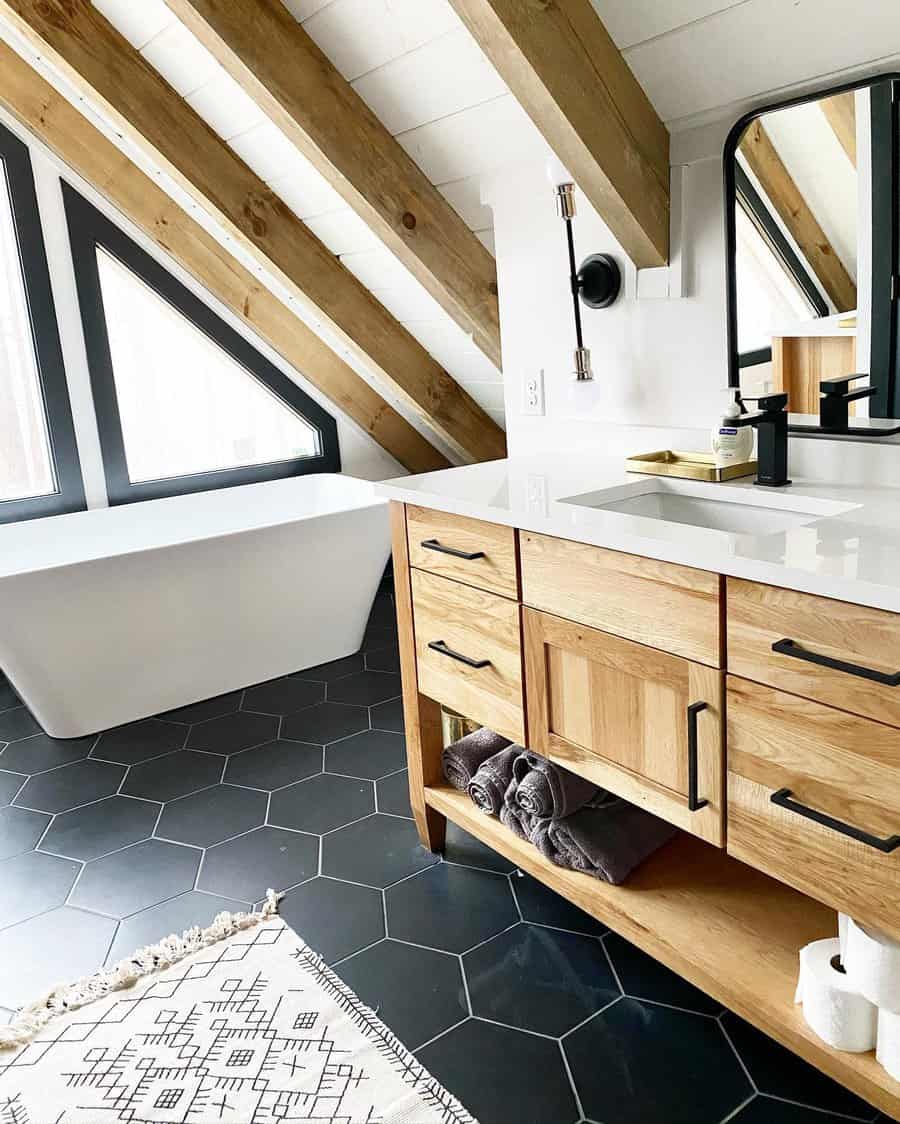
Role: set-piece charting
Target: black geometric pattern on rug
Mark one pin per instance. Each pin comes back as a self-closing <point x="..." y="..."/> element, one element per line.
<point x="383" y="918"/>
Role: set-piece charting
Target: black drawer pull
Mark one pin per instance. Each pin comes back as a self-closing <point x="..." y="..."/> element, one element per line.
<point x="694" y="803"/>
<point x="440" y="647"/>
<point x="783" y="800"/>
<point x="433" y="544"/>
<point x="792" y="648"/>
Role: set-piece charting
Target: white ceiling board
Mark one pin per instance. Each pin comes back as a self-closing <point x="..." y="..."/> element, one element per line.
<point x="360" y="35"/>
<point x="464" y="196"/>
<point x="303" y="9"/>
<point x="486" y="238"/>
<point x="271" y="155"/>
<point x="377" y="268"/>
<point x="454" y="350"/>
<point x="306" y="192"/>
<point x="223" y="104"/>
<point x="488" y="395"/>
<point x="138" y="22"/>
<point x="758" y="47"/>
<point x="633" y="21"/>
<point x="181" y="59"/>
<point x="343" y="232"/>
<point x="409" y="301"/>
<point x="443" y="77"/>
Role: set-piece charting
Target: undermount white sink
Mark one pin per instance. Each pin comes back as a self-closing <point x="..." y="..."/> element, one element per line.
<point x="714" y="507"/>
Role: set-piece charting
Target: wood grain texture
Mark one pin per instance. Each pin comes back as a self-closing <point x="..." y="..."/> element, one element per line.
<point x="25" y="94"/>
<point x="279" y="66"/>
<point x="836" y="763"/>
<point x="675" y="608"/>
<point x="497" y="571"/>
<point x="111" y="75"/>
<point x="725" y="927"/>
<point x="572" y="81"/>
<point x="479" y="625"/>
<point x="759" y="615"/>
<point x="616" y="712"/>
<point x="800" y="363"/>
<point x="840" y="112"/>
<point x="792" y="208"/>
<point x="421" y="715"/>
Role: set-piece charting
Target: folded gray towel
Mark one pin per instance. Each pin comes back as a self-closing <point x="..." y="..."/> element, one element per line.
<point x="515" y="817"/>
<point x="462" y="760"/>
<point x="607" y="839"/>
<point x="546" y="789"/>
<point x="488" y="787"/>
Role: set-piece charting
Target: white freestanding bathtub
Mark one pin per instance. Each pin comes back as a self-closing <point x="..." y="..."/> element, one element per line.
<point x="111" y="615"/>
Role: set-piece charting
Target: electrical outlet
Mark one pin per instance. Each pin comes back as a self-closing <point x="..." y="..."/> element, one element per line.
<point x="533" y="394"/>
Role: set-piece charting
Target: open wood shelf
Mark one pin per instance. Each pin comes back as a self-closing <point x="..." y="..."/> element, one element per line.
<point x="729" y="929"/>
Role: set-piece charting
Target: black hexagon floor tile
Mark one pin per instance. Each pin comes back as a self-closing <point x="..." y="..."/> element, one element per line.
<point x="64" y="944"/>
<point x="539" y="979"/>
<point x="334" y="918"/>
<point x="40" y="752"/>
<point x="175" y="774"/>
<point x="20" y="829"/>
<point x="10" y="783"/>
<point x="388" y="716"/>
<point x="283" y="696"/>
<point x="212" y="815"/>
<point x="325" y="722"/>
<point x="8" y="696"/>
<point x="642" y="977"/>
<point x="370" y="754"/>
<point x="365" y="688"/>
<point x="376" y="851"/>
<point x="17" y="723"/>
<point x="337" y="669"/>
<point x="233" y="732"/>
<point x="392" y="794"/>
<point x="97" y="829"/>
<point x="416" y="992"/>
<point x="384" y="659"/>
<point x="766" y="1110"/>
<point x="322" y="803"/>
<point x="147" y="873"/>
<point x="503" y="1075"/>
<point x="544" y="907"/>
<point x="173" y="916"/>
<point x="203" y="711"/>
<point x="465" y="850"/>
<point x="452" y="908"/>
<point x="33" y="883"/>
<point x="274" y="765"/>
<point x="779" y="1072"/>
<point x="638" y="1063"/>
<point x="139" y="741"/>
<point x="267" y="857"/>
<point x="70" y="786"/>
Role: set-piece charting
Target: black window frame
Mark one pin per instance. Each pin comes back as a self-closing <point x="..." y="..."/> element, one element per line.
<point x="16" y="171"/>
<point x="90" y="229"/>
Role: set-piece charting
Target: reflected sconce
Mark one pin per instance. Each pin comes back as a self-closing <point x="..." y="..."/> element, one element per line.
<point x="596" y="283"/>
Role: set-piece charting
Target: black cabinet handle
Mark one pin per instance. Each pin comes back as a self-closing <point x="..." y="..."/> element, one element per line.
<point x="694" y="803"/>
<point x="433" y="544"/>
<point x="792" y="648"/>
<point x="783" y="799"/>
<point x="440" y="647"/>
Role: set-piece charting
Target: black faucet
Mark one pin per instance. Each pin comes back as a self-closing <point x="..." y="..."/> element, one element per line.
<point x="771" y="420"/>
<point x="834" y="406"/>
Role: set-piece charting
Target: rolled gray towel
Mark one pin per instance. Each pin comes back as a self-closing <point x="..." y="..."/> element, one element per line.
<point x="515" y="818"/>
<point x="488" y="787"/>
<point x="550" y="790"/>
<point x="462" y="760"/>
<point x="607" y="839"/>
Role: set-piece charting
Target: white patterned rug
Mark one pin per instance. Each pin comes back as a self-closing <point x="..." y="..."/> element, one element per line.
<point x="249" y="1028"/>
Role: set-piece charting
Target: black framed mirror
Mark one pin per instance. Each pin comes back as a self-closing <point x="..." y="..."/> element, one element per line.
<point x="812" y="230"/>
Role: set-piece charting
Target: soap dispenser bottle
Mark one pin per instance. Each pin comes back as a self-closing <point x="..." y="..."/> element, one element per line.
<point x="731" y="444"/>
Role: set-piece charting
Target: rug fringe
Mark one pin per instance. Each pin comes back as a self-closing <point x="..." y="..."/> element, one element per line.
<point x="28" y="1021"/>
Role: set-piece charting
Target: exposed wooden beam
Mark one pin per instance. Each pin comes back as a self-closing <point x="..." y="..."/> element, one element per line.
<point x="561" y="64"/>
<point x="111" y="76"/>
<point x="280" y="67"/>
<point x="840" y="112"/>
<point x="763" y="160"/>
<point x="34" y="102"/>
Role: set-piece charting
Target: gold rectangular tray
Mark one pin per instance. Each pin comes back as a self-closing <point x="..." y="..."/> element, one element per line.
<point x="689" y="466"/>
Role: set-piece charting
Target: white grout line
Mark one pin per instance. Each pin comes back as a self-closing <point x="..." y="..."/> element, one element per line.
<point x="437" y="1037"/>
<point x="578" y="1105"/>
<point x="734" y="1050"/>
<point x="734" y="1112"/>
<point x="826" y="1113"/>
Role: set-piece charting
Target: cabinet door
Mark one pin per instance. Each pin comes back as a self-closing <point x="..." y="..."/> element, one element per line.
<point x="639" y="722"/>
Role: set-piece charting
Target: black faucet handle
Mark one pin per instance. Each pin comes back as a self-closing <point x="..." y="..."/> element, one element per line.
<point x="770" y="403"/>
<point x="841" y="384"/>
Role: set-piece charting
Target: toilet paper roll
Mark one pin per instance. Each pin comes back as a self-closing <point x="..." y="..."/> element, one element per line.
<point x="872" y="961"/>
<point x="843" y="922"/>
<point x="831" y="1005"/>
<point x="888" y="1048"/>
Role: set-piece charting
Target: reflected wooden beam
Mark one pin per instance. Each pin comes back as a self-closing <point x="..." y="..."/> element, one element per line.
<point x="840" y="112"/>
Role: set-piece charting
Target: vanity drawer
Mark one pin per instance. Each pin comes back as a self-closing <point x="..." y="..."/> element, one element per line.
<point x="822" y="763"/>
<point x="864" y="643"/>
<point x="675" y="608"/>
<point x="469" y="653"/>
<point x="635" y="720"/>
<point x="468" y="550"/>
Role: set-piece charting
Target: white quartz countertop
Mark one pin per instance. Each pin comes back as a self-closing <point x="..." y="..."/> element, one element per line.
<point x="847" y="545"/>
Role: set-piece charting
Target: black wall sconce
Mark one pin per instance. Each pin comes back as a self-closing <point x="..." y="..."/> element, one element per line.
<point x="596" y="283"/>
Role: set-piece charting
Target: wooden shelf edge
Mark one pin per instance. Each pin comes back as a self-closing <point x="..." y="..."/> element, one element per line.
<point x="729" y="929"/>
